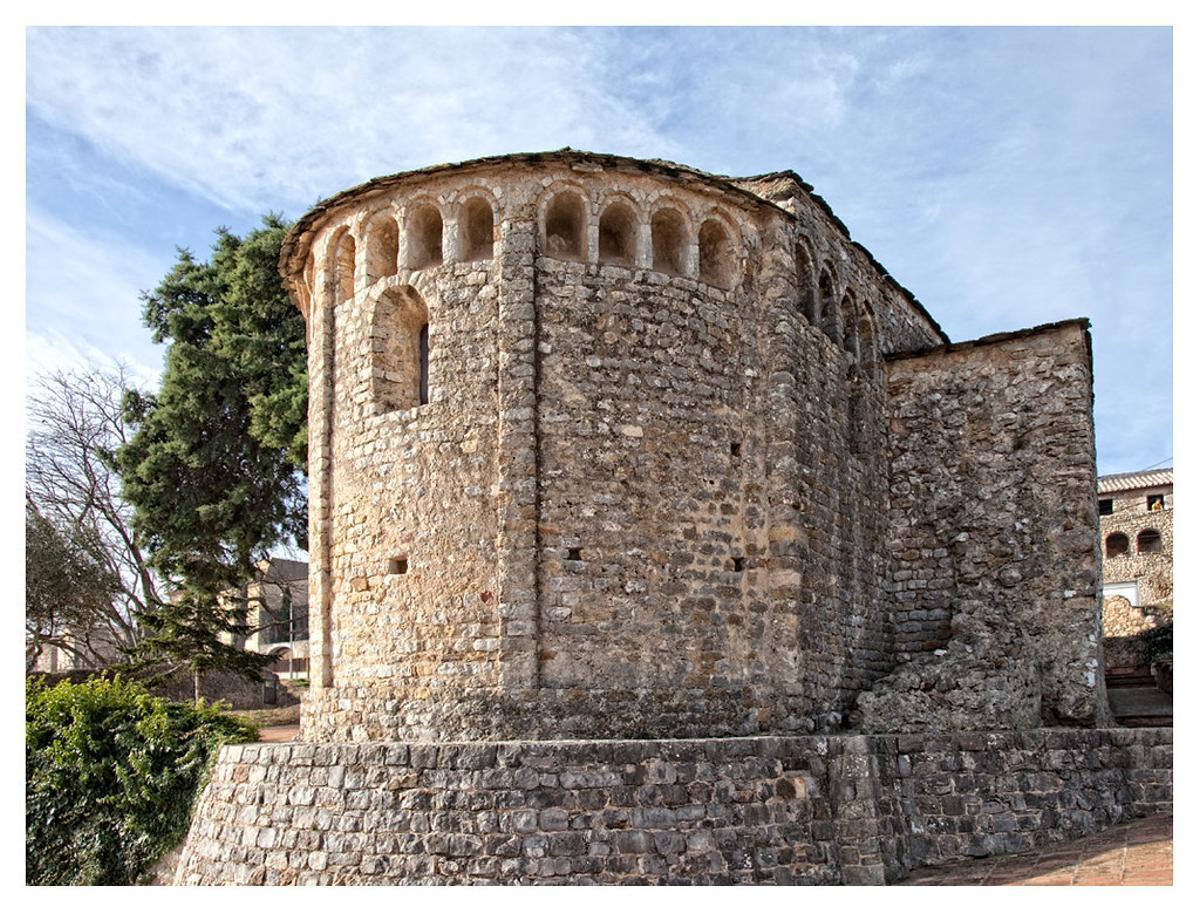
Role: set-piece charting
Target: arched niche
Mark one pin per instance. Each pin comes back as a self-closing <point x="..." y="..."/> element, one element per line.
<point x="669" y="241"/>
<point x="476" y="226"/>
<point x="424" y="237"/>
<point x="564" y="227"/>
<point x="618" y="235"/>
<point x="383" y="246"/>
<point x="829" y="309"/>
<point x="718" y="257"/>
<point x="343" y="255"/>
<point x="806" y="283"/>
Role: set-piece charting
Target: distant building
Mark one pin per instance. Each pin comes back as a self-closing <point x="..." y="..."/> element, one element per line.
<point x="278" y="604"/>
<point x="1137" y="534"/>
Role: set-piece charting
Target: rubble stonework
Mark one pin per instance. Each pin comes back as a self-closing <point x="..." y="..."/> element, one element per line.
<point x="777" y="810"/>
<point x="648" y="494"/>
<point x="606" y="450"/>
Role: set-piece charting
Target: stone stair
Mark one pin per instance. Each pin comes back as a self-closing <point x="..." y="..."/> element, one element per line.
<point x="1135" y="699"/>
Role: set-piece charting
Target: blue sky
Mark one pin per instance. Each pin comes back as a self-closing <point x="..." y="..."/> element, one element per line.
<point x="1008" y="177"/>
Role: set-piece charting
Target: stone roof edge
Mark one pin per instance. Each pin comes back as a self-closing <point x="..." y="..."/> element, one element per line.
<point x="725" y="183"/>
<point x="1145" y="478"/>
<point x="842" y="227"/>
<point x="1083" y="323"/>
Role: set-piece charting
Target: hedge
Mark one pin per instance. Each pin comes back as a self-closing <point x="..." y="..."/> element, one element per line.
<point x="111" y="775"/>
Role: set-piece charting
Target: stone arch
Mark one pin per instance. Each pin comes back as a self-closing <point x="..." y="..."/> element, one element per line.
<point x="424" y="234"/>
<point x="399" y="350"/>
<point x="849" y="327"/>
<point x="1149" y="541"/>
<point x="1116" y="545"/>
<point x="618" y="236"/>
<point x="564" y="226"/>
<point x="342" y="254"/>
<point x="718" y="255"/>
<point x="806" y="281"/>
<point x="669" y="241"/>
<point x="829" y="311"/>
<point x="477" y="228"/>
<point x="383" y="246"/>
<point x="868" y="345"/>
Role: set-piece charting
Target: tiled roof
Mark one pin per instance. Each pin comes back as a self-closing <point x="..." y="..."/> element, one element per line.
<point x="1127" y="481"/>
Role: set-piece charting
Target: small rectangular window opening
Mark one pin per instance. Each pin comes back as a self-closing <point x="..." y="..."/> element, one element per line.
<point x="1106" y="506"/>
<point x="739" y="563"/>
<point x="574" y="554"/>
<point x="1155" y="502"/>
<point x="735" y="448"/>
<point x="398" y="566"/>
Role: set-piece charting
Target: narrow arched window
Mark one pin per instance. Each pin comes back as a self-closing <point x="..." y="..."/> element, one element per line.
<point x="1116" y="545"/>
<point x="618" y="235"/>
<point x="717" y="257"/>
<point x="806" y="285"/>
<point x="829" y="311"/>
<point x="424" y="238"/>
<point x="564" y="227"/>
<point x="399" y="350"/>
<point x="668" y="236"/>
<point x="849" y="324"/>
<point x="383" y="246"/>
<point x="477" y="229"/>
<point x="1149" y="540"/>
<point x="343" y="267"/>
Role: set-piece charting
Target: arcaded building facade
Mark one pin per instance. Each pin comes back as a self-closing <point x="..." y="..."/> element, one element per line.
<point x="602" y="448"/>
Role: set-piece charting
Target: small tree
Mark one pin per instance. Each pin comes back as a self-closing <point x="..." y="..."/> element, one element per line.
<point x="87" y="579"/>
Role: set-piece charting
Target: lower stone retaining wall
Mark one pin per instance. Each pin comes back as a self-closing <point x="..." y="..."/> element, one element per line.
<point x="772" y="809"/>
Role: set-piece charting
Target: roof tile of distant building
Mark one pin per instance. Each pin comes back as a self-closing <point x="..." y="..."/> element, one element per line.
<point x="1127" y="481"/>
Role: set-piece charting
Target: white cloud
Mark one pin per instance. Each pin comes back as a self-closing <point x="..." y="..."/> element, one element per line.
<point x="82" y="304"/>
<point x="252" y="118"/>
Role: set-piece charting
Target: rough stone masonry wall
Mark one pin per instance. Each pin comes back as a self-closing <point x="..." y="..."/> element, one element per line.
<point x="636" y="504"/>
<point x="993" y="555"/>
<point x="774" y="810"/>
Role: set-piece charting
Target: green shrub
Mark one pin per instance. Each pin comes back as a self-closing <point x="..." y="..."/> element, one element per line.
<point x="111" y="774"/>
<point x="1157" y="645"/>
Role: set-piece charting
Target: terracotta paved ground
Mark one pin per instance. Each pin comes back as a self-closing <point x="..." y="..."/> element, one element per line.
<point x="278" y="733"/>
<point x="1135" y="853"/>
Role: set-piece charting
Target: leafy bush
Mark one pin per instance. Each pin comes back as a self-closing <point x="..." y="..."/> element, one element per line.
<point x="1157" y="645"/>
<point x="111" y="774"/>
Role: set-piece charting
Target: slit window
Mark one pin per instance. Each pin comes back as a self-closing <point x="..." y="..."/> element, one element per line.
<point x="424" y="238"/>
<point x="564" y="227"/>
<point x="423" y="356"/>
<point x="668" y="234"/>
<point x="478" y="229"/>
<point x="849" y="325"/>
<point x="1116" y="545"/>
<point x="618" y="235"/>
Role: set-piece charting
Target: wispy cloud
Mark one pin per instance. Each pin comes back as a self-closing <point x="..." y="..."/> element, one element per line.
<point x="86" y="289"/>
<point x="251" y="118"/>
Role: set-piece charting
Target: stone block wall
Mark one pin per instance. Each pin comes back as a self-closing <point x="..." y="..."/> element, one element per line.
<point x="639" y="496"/>
<point x="773" y="810"/>
<point x="993" y="557"/>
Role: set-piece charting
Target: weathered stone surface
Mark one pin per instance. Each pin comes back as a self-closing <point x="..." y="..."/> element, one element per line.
<point x="870" y="808"/>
